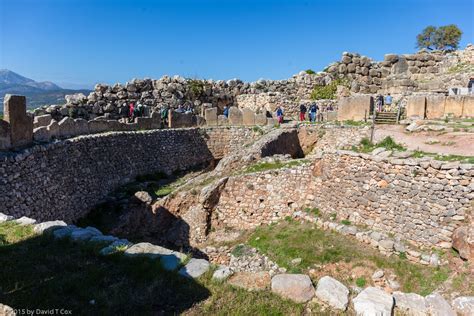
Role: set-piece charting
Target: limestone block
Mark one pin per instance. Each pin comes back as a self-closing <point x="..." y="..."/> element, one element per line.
<point x="222" y="120"/>
<point x="354" y="108"/>
<point x="296" y="287"/>
<point x="97" y="126"/>
<point x="53" y="129"/>
<point x="454" y="105"/>
<point x="333" y="293"/>
<point x="42" y="120"/>
<point x="211" y="116"/>
<point x="416" y="106"/>
<point x="144" y="122"/>
<point x="41" y="134"/>
<point x="435" y="106"/>
<point x="66" y="127"/>
<point x="468" y="106"/>
<point x="179" y="120"/>
<point x="248" y="117"/>
<point x="81" y="127"/>
<point x="21" y="124"/>
<point x="235" y="116"/>
<point x="5" y="140"/>
<point x="260" y="119"/>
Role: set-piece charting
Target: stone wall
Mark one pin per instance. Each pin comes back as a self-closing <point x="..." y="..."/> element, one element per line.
<point x="400" y="75"/>
<point x="440" y="106"/>
<point x="421" y="201"/>
<point x="65" y="179"/>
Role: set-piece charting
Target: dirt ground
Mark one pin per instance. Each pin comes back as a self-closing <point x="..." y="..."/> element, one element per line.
<point x="449" y="143"/>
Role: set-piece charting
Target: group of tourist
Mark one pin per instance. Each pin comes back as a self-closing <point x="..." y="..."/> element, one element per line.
<point x="383" y="104"/>
<point x="137" y="110"/>
<point x="313" y="112"/>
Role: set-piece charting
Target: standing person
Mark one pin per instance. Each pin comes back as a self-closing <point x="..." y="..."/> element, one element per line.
<point x="226" y="111"/>
<point x="302" y="112"/>
<point x="279" y="114"/>
<point x="388" y="100"/>
<point x="379" y="103"/>
<point x="139" y="109"/>
<point x="164" y="115"/>
<point x="470" y="85"/>
<point x="312" y="112"/>
<point x="131" y="110"/>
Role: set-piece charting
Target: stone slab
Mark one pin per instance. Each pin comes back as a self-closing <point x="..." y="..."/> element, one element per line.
<point x="416" y="106"/>
<point x="296" y="287"/>
<point x="435" y="106"/>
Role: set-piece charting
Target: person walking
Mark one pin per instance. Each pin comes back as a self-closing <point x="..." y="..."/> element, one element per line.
<point x="279" y="114"/>
<point x="302" y="112"/>
<point x="164" y="115"/>
<point x="226" y="111"/>
<point x="388" y="101"/>
<point x="131" y="110"/>
<point x="379" y="103"/>
<point x="313" y="110"/>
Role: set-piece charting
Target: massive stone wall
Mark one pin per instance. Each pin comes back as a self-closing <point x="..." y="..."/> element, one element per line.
<point x="401" y="75"/>
<point x="440" y="106"/>
<point x="421" y="201"/>
<point x="66" y="178"/>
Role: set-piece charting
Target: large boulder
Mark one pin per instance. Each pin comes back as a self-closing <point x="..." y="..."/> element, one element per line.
<point x="410" y="304"/>
<point x="296" y="287"/>
<point x="194" y="268"/>
<point x="438" y="306"/>
<point x="463" y="242"/>
<point x="48" y="226"/>
<point x="373" y="301"/>
<point x="332" y="292"/>
<point x="464" y="305"/>
<point x="152" y="251"/>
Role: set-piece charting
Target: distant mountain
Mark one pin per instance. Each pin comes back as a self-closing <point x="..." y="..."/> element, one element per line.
<point x="37" y="93"/>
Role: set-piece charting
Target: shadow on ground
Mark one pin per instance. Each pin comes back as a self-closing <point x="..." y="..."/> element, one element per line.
<point x="42" y="273"/>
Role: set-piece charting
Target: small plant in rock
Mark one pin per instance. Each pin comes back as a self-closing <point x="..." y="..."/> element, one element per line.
<point x="333" y="216"/>
<point x="345" y="222"/>
<point x="257" y="130"/>
<point x="361" y="282"/>
<point x="402" y="255"/>
<point x="239" y="250"/>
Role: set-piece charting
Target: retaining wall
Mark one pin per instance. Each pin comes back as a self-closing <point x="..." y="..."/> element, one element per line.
<point x="423" y="202"/>
<point x="65" y="179"/>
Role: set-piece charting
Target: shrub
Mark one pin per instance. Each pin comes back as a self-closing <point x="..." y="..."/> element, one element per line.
<point x="328" y="91"/>
<point x="345" y="222"/>
<point x="361" y="282"/>
<point x="310" y="71"/>
<point x="389" y="143"/>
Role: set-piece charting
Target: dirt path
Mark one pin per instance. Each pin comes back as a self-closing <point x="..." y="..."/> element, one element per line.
<point x="453" y="143"/>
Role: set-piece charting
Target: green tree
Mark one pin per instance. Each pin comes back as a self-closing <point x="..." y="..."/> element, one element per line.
<point x="447" y="37"/>
<point x="444" y="37"/>
<point x="426" y="39"/>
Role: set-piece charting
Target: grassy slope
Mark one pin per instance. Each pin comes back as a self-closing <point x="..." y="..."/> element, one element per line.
<point x="286" y="241"/>
<point x="38" y="272"/>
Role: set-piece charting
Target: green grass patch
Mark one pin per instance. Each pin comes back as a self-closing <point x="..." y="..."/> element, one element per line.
<point x="464" y="159"/>
<point x="366" y="146"/>
<point x="41" y="273"/>
<point x="163" y="190"/>
<point x="361" y="282"/>
<point x="288" y="240"/>
<point x="264" y="166"/>
<point x="313" y="211"/>
<point x="345" y="222"/>
<point x="355" y="123"/>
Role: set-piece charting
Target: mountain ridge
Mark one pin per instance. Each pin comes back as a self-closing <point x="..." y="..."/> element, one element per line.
<point x="37" y="93"/>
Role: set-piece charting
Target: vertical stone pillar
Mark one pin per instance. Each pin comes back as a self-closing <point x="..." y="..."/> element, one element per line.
<point x="21" y="124"/>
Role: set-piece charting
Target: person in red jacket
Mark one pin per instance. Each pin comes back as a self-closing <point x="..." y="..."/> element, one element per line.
<point x="131" y="110"/>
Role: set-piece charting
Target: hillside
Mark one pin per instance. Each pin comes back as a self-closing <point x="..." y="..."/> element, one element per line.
<point x="37" y="93"/>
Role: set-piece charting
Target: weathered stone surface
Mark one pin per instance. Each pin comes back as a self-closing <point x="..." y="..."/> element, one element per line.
<point x="7" y="310"/>
<point x="21" y="124"/>
<point x="25" y="220"/>
<point x="410" y="304"/>
<point x="296" y="287"/>
<point x="211" y="116"/>
<point x="416" y="106"/>
<point x="65" y="232"/>
<point x="4" y="218"/>
<point x="248" y="117"/>
<point x="103" y="239"/>
<point x="118" y="245"/>
<point x="84" y="234"/>
<point x="463" y="242"/>
<point x="194" y="268"/>
<point x="235" y="116"/>
<point x="250" y="280"/>
<point x="152" y="251"/>
<point x="435" y="106"/>
<point x="354" y="108"/>
<point x="464" y="305"/>
<point x="373" y="301"/>
<point x="222" y="273"/>
<point x="333" y="293"/>
<point x="48" y="226"/>
<point x="438" y="306"/>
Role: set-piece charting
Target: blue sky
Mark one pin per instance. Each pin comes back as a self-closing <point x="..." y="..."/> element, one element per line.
<point x="88" y="41"/>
